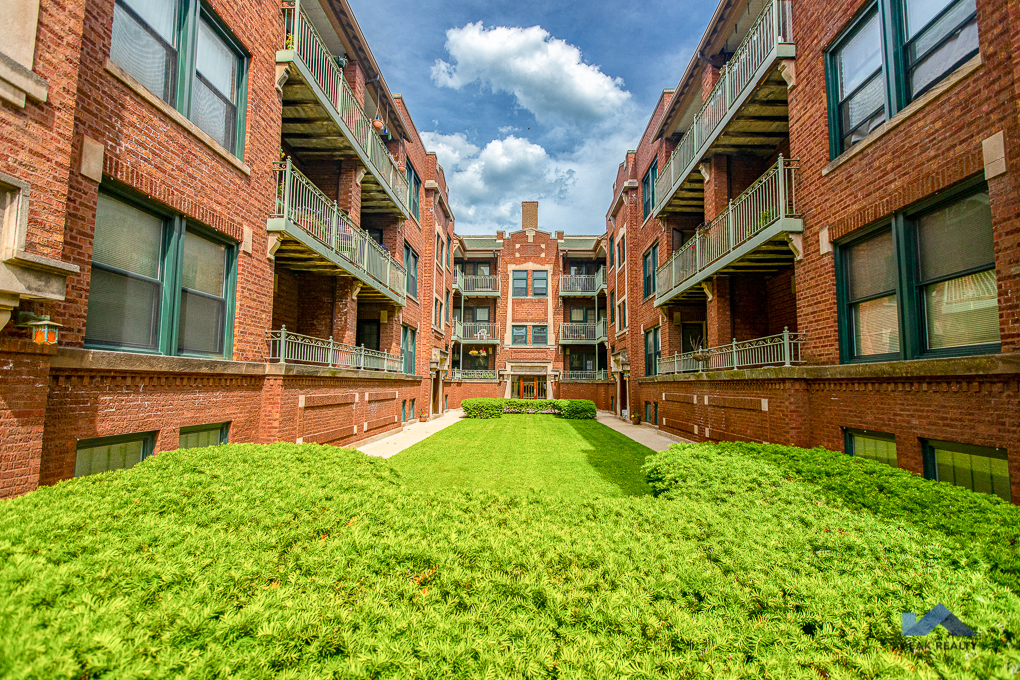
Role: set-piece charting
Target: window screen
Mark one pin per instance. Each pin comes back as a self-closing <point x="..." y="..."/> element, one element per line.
<point x="143" y="43"/>
<point x="940" y="36"/>
<point x="203" y="295"/>
<point x="520" y="335"/>
<point x="539" y="335"/>
<point x="115" y="453"/>
<point x="981" y="469"/>
<point x="874" y="446"/>
<point x="520" y="280"/>
<point x="859" y="81"/>
<point x="200" y="436"/>
<point x="871" y="271"/>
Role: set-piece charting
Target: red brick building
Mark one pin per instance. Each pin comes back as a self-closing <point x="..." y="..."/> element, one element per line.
<point x="822" y="233"/>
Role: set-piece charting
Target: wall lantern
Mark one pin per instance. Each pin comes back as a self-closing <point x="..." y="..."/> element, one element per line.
<point x="43" y="330"/>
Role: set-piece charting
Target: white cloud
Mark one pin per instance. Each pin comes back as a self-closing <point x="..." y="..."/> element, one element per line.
<point x="547" y="76"/>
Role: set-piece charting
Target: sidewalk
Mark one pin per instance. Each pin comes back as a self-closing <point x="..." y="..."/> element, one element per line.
<point x="649" y="436"/>
<point x="412" y="433"/>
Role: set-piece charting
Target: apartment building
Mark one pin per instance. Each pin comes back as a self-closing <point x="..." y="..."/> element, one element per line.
<point x="529" y="311"/>
<point x="821" y="226"/>
<point x="219" y="225"/>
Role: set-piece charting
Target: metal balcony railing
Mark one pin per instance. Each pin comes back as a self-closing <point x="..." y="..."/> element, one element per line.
<point x="771" y="198"/>
<point x="581" y="332"/>
<point x="476" y="284"/>
<point x="584" y="284"/>
<point x="457" y="374"/>
<point x="300" y="202"/>
<point x="309" y="47"/>
<point x="783" y="349"/>
<point x="568" y="376"/>
<point x="759" y="47"/>
<point x="476" y="332"/>
<point x="287" y="347"/>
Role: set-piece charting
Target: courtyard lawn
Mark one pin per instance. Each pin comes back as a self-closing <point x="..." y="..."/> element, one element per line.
<point x="520" y="452"/>
<point x="291" y="561"/>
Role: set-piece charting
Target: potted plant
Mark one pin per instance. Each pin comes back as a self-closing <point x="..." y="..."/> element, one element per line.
<point x="423" y="416"/>
<point x="636" y="419"/>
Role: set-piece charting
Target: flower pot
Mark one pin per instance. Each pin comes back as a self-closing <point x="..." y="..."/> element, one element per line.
<point x="423" y="418"/>
<point x="378" y="125"/>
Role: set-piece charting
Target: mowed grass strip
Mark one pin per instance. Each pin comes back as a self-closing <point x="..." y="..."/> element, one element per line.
<point x="521" y="452"/>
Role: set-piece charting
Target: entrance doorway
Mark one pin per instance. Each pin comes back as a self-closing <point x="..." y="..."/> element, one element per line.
<point x="367" y="334"/>
<point x="623" y="396"/>
<point x="528" y="387"/>
<point x="437" y="392"/>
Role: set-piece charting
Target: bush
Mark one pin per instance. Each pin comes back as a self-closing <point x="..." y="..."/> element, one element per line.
<point x="978" y="522"/>
<point x="578" y="409"/>
<point x="483" y="408"/>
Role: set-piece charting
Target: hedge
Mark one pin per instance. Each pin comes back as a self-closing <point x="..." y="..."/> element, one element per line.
<point x="571" y="409"/>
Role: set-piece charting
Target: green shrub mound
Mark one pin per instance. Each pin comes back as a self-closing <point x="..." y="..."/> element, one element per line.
<point x="311" y="562"/>
<point x="978" y="523"/>
<point x="572" y="409"/>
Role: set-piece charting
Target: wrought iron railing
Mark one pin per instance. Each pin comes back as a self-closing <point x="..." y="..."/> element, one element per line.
<point x="477" y="332"/>
<point x="476" y="283"/>
<point x="771" y="198"/>
<point x="584" y="375"/>
<point x="287" y="347"/>
<point x="300" y="202"/>
<point x="591" y="332"/>
<point x="457" y="374"/>
<point x="772" y="28"/>
<point x="310" y="48"/>
<point x="588" y="284"/>
<point x="783" y="349"/>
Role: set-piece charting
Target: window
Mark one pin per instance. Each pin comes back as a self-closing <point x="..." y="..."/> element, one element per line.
<point x="929" y="38"/>
<point x="648" y="411"/>
<point x="112" y="453"/>
<point x="978" y="468"/>
<point x="655" y="411"/>
<point x="199" y="436"/>
<point x="520" y="281"/>
<point x="648" y="189"/>
<point x="540" y="283"/>
<point x="621" y="251"/>
<point x="577" y="315"/>
<point x="539" y="335"/>
<point x="408" y="344"/>
<point x="413" y="191"/>
<point x="449" y="249"/>
<point x="151" y="40"/>
<point x="447" y="320"/>
<point x="411" y="271"/>
<point x="612" y="306"/>
<point x="437" y="312"/>
<point x="876" y="446"/>
<point x="410" y="411"/>
<point x="520" y="335"/>
<point x="623" y="314"/>
<point x="439" y="249"/>
<point x="911" y="290"/>
<point x="481" y="314"/>
<point x="652" y="351"/>
<point x="403" y="411"/>
<point x="611" y="249"/>
<point x="650" y="262"/>
<point x="158" y="284"/>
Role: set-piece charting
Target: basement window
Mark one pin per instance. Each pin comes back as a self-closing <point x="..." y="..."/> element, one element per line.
<point x="95" y="456"/>
<point x="200" y="436"/>
<point x="978" y="468"/>
<point x="877" y="446"/>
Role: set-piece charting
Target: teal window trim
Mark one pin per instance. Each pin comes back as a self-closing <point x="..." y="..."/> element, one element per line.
<point x="542" y="276"/>
<point x="652" y="351"/>
<point x="175" y="228"/>
<point x="413" y="191"/>
<point x="612" y="306"/>
<point x="849" y="433"/>
<point x="648" y="189"/>
<point x="410" y="271"/>
<point x="649" y="263"/>
<point x="409" y="349"/>
<point x="655" y="409"/>
<point x="544" y="334"/>
<point x="519" y="335"/>
<point x="517" y="276"/>
<point x="928" y="447"/>
<point x="909" y="290"/>
<point x="148" y="440"/>
<point x="224" y="430"/>
<point x="612" y="247"/>
<point x="447" y="307"/>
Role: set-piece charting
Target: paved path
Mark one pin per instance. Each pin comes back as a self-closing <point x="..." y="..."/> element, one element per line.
<point x="417" y="431"/>
<point x="411" y="434"/>
<point x="649" y="436"/>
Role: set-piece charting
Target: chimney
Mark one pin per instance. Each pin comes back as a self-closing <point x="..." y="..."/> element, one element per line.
<point x="529" y="214"/>
<point x="559" y="236"/>
<point x="499" y="235"/>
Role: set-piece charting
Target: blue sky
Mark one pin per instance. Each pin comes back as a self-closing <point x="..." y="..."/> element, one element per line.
<point x="531" y="101"/>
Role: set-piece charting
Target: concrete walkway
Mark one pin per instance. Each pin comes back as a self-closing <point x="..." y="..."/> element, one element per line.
<point x="412" y="433"/>
<point x="647" y="435"/>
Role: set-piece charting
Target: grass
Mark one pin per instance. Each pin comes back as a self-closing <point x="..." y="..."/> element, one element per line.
<point x="518" y="452"/>
<point x="293" y="561"/>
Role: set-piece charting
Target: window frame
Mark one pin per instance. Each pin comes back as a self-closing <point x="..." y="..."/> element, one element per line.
<point x="649" y="263"/>
<point x="648" y="189"/>
<point x="413" y="190"/>
<point x="409" y="349"/>
<point x="545" y="331"/>
<point x="514" y="278"/>
<point x="535" y="279"/>
<point x="148" y="440"/>
<point x="652" y="358"/>
<point x="410" y="272"/>
<point x="612" y="307"/>
<point x="513" y="334"/>
<point x="849" y="447"/>
<point x="175" y="228"/>
<point x="223" y="427"/>
<point x="928" y="447"/>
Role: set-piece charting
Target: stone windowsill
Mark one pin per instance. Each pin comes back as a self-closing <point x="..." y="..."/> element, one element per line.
<point x="175" y="115"/>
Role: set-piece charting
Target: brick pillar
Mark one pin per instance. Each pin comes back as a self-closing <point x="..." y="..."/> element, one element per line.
<point x="315" y="305"/>
<point x="23" y="395"/>
<point x="709" y="77"/>
<point x="356" y="79"/>
<point x="389" y="333"/>
<point x="716" y="186"/>
<point x="349" y="188"/>
<point x="720" y="322"/>
<point x="798" y="415"/>
<point x="529" y="214"/>
<point x="345" y="311"/>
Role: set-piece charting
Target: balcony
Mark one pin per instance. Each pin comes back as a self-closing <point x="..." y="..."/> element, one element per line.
<point x="288" y="348"/>
<point x="582" y="285"/>
<point x="746" y="112"/>
<point x="583" y="333"/>
<point x="753" y="234"/>
<point x="323" y="120"/>
<point x="313" y="234"/>
<point x="476" y="333"/>
<point x="783" y="349"/>
<point x="584" y="376"/>
<point x="457" y="374"/>
<point x="476" y="286"/>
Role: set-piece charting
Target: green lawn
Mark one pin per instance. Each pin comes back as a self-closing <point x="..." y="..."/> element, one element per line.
<point x="569" y="458"/>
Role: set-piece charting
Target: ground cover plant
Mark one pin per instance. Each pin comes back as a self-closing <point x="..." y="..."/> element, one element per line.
<point x="571" y="409"/>
<point x="314" y="562"/>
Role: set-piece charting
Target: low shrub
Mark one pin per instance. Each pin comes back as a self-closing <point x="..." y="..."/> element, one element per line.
<point x="578" y="409"/>
<point x="483" y="408"/>
<point x="528" y="405"/>
<point x="978" y="522"/>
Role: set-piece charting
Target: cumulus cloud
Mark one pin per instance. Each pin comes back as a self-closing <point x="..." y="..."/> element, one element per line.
<point x="546" y="75"/>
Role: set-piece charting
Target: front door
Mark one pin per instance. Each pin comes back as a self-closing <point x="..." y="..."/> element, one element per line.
<point x="529" y="388"/>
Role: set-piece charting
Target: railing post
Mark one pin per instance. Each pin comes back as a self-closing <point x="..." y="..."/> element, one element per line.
<point x="360" y="355"/>
<point x="334" y="228"/>
<point x="331" y="351"/>
<point x="729" y="224"/>
<point x="283" y="344"/>
<point x="287" y="175"/>
<point x="733" y="346"/>
<point x="782" y="188"/>
<point x="786" y="345"/>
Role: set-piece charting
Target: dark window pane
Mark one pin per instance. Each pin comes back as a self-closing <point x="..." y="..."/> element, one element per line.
<point x="538" y="335"/>
<point x="984" y="474"/>
<point x="213" y="114"/>
<point x="127" y="238"/>
<point x="202" y="324"/>
<point x="123" y="311"/>
<point x="874" y="448"/>
<point x="204" y="266"/>
<point x="520" y="335"/>
<point x="956" y="238"/>
<point x="147" y="52"/>
<point x="872" y="266"/>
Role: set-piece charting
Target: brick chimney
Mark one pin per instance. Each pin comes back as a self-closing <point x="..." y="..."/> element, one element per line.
<point x="499" y="235"/>
<point x="529" y="214"/>
<point x="559" y="236"/>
